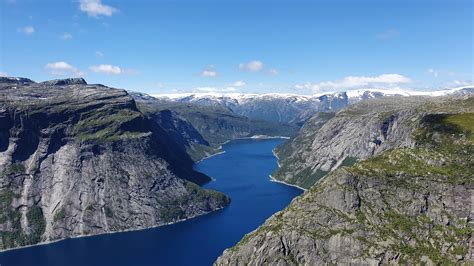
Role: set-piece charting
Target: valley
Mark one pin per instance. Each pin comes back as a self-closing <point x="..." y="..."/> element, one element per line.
<point x="228" y="133"/>
<point x="388" y="178"/>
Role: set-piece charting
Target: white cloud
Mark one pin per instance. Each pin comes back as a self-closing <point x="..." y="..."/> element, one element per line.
<point x="438" y="73"/>
<point x="351" y="82"/>
<point x="388" y="34"/>
<point x="209" y="71"/>
<point x="252" y="66"/>
<point x="215" y="89"/>
<point x="238" y="83"/>
<point x="460" y="83"/>
<point x="95" y="8"/>
<point x="3" y="74"/>
<point x="99" y="54"/>
<point x="106" y="69"/>
<point x="62" y="68"/>
<point x="66" y="36"/>
<point x="433" y="72"/>
<point x="273" y="72"/>
<point x="28" y="30"/>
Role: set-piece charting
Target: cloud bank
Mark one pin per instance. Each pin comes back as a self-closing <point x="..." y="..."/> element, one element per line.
<point x="62" y="68"/>
<point x="106" y="69"/>
<point x="95" y="8"/>
<point x="28" y="30"/>
<point x="252" y="66"/>
<point x="353" y="82"/>
<point x="209" y="72"/>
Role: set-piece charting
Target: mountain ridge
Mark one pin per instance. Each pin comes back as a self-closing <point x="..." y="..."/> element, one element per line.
<point x="293" y="108"/>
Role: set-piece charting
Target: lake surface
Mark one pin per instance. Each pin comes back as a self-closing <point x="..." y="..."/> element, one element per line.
<point x="242" y="172"/>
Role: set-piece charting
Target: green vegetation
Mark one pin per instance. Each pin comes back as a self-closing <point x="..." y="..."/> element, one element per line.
<point x="441" y="128"/>
<point x="171" y="213"/>
<point x="108" y="212"/>
<point x="15" y="168"/>
<point x="348" y="161"/>
<point x="90" y="208"/>
<point x="60" y="214"/>
<point x="6" y="212"/>
<point x="172" y="209"/>
<point x="444" y="153"/>
<point x="108" y="125"/>
<point x="199" y="151"/>
<point x="37" y="224"/>
<point x="305" y="178"/>
<point x="15" y="236"/>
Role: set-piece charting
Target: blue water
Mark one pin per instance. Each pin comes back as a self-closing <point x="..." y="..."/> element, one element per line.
<point x="241" y="172"/>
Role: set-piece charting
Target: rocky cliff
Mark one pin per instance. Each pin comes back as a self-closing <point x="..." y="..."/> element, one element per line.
<point x="410" y="204"/>
<point x="79" y="159"/>
<point x="328" y="141"/>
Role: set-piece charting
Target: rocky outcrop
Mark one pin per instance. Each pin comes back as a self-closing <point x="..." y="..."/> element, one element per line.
<point x="328" y="141"/>
<point x="62" y="82"/>
<point x="79" y="159"/>
<point x="407" y="205"/>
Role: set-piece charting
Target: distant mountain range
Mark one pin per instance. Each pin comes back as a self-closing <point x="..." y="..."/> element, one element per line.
<point x="293" y="108"/>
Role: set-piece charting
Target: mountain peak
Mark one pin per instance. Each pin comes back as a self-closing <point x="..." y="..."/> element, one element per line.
<point x="62" y="82"/>
<point x="15" y="80"/>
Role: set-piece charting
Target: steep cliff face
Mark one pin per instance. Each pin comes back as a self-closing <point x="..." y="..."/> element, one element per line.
<point x="78" y="159"/>
<point x="406" y="205"/>
<point x="328" y="141"/>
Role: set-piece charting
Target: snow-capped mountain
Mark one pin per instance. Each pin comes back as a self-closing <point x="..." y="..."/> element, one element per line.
<point x="294" y="108"/>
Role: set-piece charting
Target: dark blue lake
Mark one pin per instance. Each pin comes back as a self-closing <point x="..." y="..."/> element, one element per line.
<point x="242" y="172"/>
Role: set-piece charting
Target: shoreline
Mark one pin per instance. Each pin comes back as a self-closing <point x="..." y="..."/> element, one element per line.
<point x="272" y="179"/>
<point x="109" y="233"/>
<point x="209" y="156"/>
<point x="276" y="156"/>
<point x="220" y="151"/>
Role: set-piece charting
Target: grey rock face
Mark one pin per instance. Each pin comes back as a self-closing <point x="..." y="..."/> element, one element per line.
<point x="82" y="159"/>
<point x="362" y="131"/>
<point x="15" y="80"/>
<point x="350" y="220"/>
<point x="412" y="204"/>
<point x="62" y="82"/>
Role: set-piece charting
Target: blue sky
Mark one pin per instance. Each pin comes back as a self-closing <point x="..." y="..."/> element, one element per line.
<point x="240" y="46"/>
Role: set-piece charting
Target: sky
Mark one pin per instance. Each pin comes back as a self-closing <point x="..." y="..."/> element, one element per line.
<point x="258" y="46"/>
